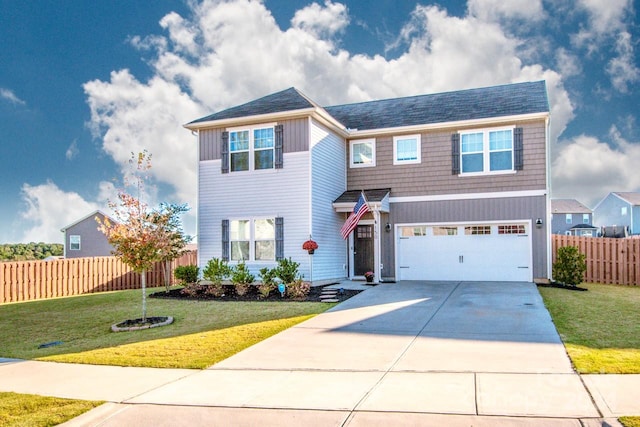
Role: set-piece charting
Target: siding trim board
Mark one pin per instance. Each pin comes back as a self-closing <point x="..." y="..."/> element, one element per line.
<point x="468" y="196"/>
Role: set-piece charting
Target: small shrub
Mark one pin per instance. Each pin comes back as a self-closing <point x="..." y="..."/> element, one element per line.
<point x="242" y="288"/>
<point x="268" y="276"/>
<point x="193" y="289"/>
<point x="240" y="275"/>
<point x="287" y="270"/>
<point x="570" y="266"/>
<point x="186" y="274"/>
<point x="216" y="271"/>
<point x="298" y="289"/>
<point x="214" y="290"/>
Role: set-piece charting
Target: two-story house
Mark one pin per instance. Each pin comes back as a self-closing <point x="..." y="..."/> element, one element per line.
<point x="619" y="211"/>
<point x="569" y="216"/>
<point x="83" y="239"/>
<point x="457" y="184"/>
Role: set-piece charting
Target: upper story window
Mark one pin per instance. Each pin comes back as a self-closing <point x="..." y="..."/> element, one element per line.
<point x="623" y="211"/>
<point x="74" y="243"/>
<point x="252" y="148"/>
<point x="406" y="149"/>
<point x="363" y="153"/>
<point x="569" y="218"/>
<point x="487" y="151"/>
<point x="585" y="218"/>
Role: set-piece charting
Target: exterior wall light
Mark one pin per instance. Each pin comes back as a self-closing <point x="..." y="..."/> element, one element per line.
<point x="539" y="223"/>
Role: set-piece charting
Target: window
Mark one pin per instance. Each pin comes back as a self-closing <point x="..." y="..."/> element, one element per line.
<point x="252" y="148"/>
<point x="585" y="218"/>
<point x="406" y="149"/>
<point x="511" y="229"/>
<point x="74" y="243"/>
<point x="623" y="211"/>
<point x="487" y="151"/>
<point x="252" y="239"/>
<point x="445" y="231"/>
<point x="473" y="230"/>
<point x="413" y="231"/>
<point x="568" y="218"/>
<point x="363" y="153"/>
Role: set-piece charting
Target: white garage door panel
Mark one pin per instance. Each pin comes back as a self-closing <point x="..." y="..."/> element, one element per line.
<point x="495" y="257"/>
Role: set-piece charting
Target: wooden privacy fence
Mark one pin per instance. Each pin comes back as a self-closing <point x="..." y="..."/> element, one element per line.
<point x="32" y="280"/>
<point x="609" y="261"/>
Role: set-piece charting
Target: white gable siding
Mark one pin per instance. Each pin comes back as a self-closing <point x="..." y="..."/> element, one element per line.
<point x="328" y="156"/>
<point x="255" y="194"/>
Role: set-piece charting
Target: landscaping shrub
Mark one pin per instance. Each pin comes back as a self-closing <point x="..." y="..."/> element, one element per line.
<point x="570" y="266"/>
<point x="298" y="289"/>
<point x="287" y="270"/>
<point x="193" y="289"/>
<point x="214" y="290"/>
<point x="268" y="276"/>
<point x="186" y="274"/>
<point x="216" y="271"/>
<point x="241" y="278"/>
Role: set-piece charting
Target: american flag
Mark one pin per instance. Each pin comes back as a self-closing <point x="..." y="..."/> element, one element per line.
<point x="359" y="210"/>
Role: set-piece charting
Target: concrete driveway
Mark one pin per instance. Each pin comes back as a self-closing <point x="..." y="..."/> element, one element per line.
<point x="469" y="348"/>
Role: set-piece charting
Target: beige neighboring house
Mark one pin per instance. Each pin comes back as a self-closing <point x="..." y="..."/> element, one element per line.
<point x="83" y="239"/>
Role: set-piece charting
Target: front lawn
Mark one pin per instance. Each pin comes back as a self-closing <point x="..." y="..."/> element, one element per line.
<point x="600" y="328"/>
<point x="203" y="332"/>
<point x="35" y="411"/>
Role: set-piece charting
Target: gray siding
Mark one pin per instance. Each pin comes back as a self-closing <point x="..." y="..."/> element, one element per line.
<point x="295" y="138"/>
<point x="559" y="223"/>
<point x="501" y="209"/>
<point x="92" y="241"/>
<point x="609" y="212"/>
<point x="433" y="175"/>
<point x="328" y="171"/>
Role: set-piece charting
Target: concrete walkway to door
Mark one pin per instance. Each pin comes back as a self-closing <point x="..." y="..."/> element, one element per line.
<point x="411" y="353"/>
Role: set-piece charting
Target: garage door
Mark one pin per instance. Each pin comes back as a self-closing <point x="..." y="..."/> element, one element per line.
<point x="495" y="252"/>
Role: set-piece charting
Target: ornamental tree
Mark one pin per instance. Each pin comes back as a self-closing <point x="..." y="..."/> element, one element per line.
<point x="140" y="235"/>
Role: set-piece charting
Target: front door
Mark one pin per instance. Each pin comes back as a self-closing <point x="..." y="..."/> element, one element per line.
<point x="362" y="250"/>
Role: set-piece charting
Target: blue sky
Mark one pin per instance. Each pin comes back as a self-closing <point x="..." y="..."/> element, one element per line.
<point x="84" y="84"/>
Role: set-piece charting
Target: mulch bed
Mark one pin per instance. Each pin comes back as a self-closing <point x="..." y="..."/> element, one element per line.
<point x="561" y="286"/>
<point x="252" y="295"/>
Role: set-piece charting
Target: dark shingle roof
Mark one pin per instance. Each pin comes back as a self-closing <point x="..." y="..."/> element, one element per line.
<point x="490" y="102"/>
<point x="352" y="196"/>
<point x="287" y="100"/>
<point x="497" y="101"/>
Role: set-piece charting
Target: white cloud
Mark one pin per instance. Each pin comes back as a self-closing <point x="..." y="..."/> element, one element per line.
<point x="568" y="64"/>
<point x="496" y="10"/>
<point x="9" y="95"/>
<point x="588" y="169"/>
<point x="48" y="209"/>
<point x="623" y="69"/>
<point x="322" y="21"/>
<point x="72" y="151"/>
<point x="605" y="16"/>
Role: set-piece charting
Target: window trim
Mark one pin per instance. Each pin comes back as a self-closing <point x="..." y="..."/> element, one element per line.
<point x="418" y="159"/>
<point x="486" y="151"/>
<point x="373" y="153"/>
<point x="568" y="218"/>
<point x="252" y="150"/>
<point x="71" y="243"/>
<point x="585" y="219"/>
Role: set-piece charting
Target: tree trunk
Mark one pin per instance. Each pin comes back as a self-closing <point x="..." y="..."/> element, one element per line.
<point x="166" y="268"/>
<point x="143" y="281"/>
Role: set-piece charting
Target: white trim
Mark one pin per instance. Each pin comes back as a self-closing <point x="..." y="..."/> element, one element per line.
<point x="486" y="151"/>
<point x="467" y="196"/>
<point x="373" y="153"/>
<point x="418" y="158"/>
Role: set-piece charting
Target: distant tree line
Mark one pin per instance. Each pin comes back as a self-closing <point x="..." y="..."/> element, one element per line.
<point x="29" y="251"/>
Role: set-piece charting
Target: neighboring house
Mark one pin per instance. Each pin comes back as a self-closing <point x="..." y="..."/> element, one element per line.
<point x="570" y="217"/>
<point x="83" y="239"/>
<point x="619" y="209"/>
<point x="457" y="184"/>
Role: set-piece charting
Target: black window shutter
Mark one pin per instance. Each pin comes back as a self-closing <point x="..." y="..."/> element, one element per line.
<point x="279" y="160"/>
<point x="279" y="238"/>
<point x="455" y="154"/>
<point x="225" y="240"/>
<point x="518" y="149"/>
<point x="224" y="152"/>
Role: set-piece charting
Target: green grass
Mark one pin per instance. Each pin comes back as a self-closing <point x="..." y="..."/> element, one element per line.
<point x="203" y="332"/>
<point x="630" y="421"/>
<point x="28" y="410"/>
<point x="600" y="328"/>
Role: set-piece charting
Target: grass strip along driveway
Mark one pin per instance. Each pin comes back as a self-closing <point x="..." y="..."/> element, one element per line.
<point x="31" y="410"/>
<point x="600" y="328"/>
<point x="203" y="332"/>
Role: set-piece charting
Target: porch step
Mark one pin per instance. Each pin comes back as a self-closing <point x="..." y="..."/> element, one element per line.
<point x="329" y="300"/>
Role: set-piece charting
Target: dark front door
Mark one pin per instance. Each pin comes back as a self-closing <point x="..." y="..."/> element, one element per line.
<point x="363" y="250"/>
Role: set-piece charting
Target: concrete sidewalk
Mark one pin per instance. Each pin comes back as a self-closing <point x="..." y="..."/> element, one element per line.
<point x="412" y="353"/>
